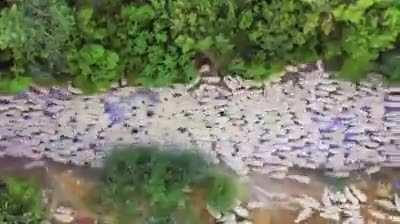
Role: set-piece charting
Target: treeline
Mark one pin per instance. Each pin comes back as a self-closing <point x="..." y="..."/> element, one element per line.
<point x="155" y="42"/>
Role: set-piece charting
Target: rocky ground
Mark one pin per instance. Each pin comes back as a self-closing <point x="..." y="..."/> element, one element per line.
<point x="311" y="122"/>
<point x="305" y="119"/>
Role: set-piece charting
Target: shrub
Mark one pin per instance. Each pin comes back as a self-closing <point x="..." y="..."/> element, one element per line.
<point x="151" y="182"/>
<point x="14" y="85"/>
<point x="34" y="35"/>
<point x="90" y="29"/>
<point x="96" y="67"/>
<point x="390" y="65"/>
<point x="149" y="56"/>
<point x="206" y="27"/>
<point x="222" y="191"/>
<point x="363" y="29"/>
<point x="275" y="33"/>
<point x="20" y="202"/>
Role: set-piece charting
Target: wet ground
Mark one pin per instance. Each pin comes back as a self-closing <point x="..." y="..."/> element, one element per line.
<point x="66" y="186"/>
<point x="378" y="186"/>
<point x="71" y="186"/>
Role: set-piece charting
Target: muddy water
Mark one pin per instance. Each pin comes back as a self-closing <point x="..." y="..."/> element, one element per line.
<point x="72" y="185"/>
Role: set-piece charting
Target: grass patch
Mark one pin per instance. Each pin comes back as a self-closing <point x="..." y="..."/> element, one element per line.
<point x="20" y="202"/>
<point x="222" y="191"/>
<point x="149" y="185"/>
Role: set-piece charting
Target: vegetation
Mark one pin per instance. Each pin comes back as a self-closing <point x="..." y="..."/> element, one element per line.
<point x="140" y="184"/>
<point x="367" y="28"/>
<point x="222" y="191"/>
<point x="151" y="186"/>
<point x="94" y="43"/>
<point x="34" y="36"/>
<point x="20" y="202"/>
<point x="98" y="67"/>
<point x="390" y="65"/>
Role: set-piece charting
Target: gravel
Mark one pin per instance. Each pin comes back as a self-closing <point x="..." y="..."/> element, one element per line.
<point x="315" y="124"/>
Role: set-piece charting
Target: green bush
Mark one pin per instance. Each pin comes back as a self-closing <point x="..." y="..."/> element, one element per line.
<point x="14" y="85"/>
<point x="20" y="202"/>
<point x="97" y="67"/>
<point x="277" y="32"/>
<point x="390" y="65"/>
<point x="222" y="191"/>
<point x="34" y="35"/>
<point x="149" y="182"/>
<point x="363" y="29"/>
<point x="206" y="27"/>
<point x="149" y="56"/>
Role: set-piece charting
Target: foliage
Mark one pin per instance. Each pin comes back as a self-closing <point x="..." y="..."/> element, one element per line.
<point x="97" y="67"/>
<point x="205" y="27"/>
<point x="35" y="33"/>
<point x="20" y="202"/>
<point x="151" y="182"/>
<point x="14" y="85"/>
<point x="367" y="28"/>
<point x="144" y="42"/>
<point x="390" y="65"/>
<point x="157" y="41"/>
<point x="277" y="32"/>
<point x="222" y="191"/>
<point x="282" y="27"/>
<point x="89" y="29"/>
